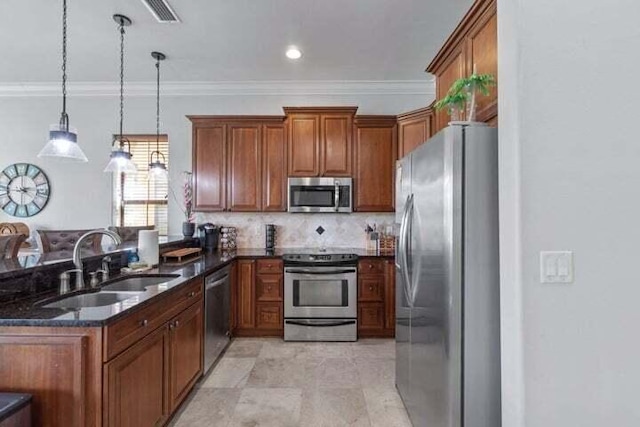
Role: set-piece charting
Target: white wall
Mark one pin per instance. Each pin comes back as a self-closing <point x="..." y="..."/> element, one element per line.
<point x="569" y="181"/>
<point x="81" y="193"/>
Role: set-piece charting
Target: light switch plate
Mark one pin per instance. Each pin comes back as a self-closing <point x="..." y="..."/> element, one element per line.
<point x="556" y="267"/>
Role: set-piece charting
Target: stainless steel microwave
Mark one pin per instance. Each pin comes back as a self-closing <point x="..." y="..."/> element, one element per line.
<point x="320" y="194"/>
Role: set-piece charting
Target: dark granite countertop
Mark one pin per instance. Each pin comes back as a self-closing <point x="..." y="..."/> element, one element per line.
<point x="30" y="312"/>
<point x="10" y="403"/>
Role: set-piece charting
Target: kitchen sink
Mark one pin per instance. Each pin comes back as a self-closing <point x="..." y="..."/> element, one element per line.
<point x="138" y="283"/>
<point x="99" y="299"/>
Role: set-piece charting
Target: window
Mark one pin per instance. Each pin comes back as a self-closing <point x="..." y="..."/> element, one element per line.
<point x="136" y="200"/>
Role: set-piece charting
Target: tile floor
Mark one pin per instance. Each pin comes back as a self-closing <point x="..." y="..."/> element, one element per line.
<point x="267" y="382"/>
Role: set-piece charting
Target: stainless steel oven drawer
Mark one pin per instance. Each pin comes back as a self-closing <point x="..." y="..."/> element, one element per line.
<point x="320" y="330"/>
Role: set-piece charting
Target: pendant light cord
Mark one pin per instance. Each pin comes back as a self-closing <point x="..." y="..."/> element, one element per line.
<point x="121" y="81"/>
<point x="158" y="105"/>
<point x="64" y="119"/>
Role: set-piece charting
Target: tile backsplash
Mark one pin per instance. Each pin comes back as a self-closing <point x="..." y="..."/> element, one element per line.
<point x="299" y="230"/>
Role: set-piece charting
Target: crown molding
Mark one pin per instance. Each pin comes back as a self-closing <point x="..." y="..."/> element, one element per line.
<point x="236" y="88"/>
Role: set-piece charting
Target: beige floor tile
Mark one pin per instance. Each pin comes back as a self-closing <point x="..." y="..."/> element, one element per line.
<point x="385" y="407"/>
<point x="230" y="372"/>
<point x="278" y="373"/>
<point x="283" y="350"/>
<point x="332" y="373"/>
<point x="274" y="407"/>
<point x="376" y="372"/>
<point x="318" y="350"/>
<point x="329" y="407"/>
<point x="244" y="348"/>
<point x="209" y="407"/>
<point x="384" y="349"/>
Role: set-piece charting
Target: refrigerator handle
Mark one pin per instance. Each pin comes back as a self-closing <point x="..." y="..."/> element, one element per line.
<point x="407" y="251"/>
<point x="402" y="251"/>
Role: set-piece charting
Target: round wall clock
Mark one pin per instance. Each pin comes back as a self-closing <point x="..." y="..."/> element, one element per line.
<point x="24" y="190"/>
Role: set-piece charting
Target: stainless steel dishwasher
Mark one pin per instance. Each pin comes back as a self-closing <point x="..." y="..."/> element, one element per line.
<point x="217" y="301"/>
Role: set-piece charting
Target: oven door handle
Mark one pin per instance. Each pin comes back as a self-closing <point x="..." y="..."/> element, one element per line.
<point x="321" y="273"/>
<point x="320" y="323"/>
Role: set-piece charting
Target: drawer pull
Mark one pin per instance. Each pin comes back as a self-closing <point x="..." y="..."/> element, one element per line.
<point x="370" y="266"/>
<point x="371" y="288"/>
<point x="191" y="294"/>
<point x="144" y="322"/>
<point x="269" y="288"/>
<point x="269" y="265"/>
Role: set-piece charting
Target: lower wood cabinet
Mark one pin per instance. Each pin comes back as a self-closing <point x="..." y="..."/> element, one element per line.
<point x="136" y="383"/>
<point x="148" y="381"/>
<point x="185" y="350"/>
<point x="259" y="303"/>
<point x="376" y="298"/>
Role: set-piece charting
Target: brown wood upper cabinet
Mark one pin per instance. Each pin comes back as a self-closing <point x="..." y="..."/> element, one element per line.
<point x="239" y="163"/>
<point x="375" y="156"/>
<point x="473" y="44"/>
<point x="414" y="128"/>
<point x="320" y="140"/>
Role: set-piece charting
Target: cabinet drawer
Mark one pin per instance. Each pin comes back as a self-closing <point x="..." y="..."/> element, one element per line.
<point x="370" y="316"/>
<point x="371" y="288"/>
<point x="269" y="287"/>
<point x="269" y="315"/>
<point x="269" y="266"/>
<point x="371" y="266"/>
<point x="132" y="328"/>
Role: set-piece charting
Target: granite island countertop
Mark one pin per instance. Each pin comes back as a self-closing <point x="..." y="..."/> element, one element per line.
<point x="31" y="311"/>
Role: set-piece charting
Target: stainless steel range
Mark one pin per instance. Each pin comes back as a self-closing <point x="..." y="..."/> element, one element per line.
<point x="320" y="297"/>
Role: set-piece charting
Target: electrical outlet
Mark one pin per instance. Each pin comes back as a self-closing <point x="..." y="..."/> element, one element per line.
<point x="556" y="267"/>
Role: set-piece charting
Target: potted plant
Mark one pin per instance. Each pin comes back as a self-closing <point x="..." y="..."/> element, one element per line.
<point x="463" y="93"/>
<point x="188" y="226"/>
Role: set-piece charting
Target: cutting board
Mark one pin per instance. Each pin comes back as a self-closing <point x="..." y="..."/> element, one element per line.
<point x="181" y="255"/>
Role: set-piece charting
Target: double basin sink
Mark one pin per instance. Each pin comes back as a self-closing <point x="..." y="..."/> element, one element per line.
<point x="115" y="291"/>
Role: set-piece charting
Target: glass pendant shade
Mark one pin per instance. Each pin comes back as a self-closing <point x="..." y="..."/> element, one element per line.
<point x="63" y="144"/>
<point x="158" y="171"/>
<point x="120" y="162"/>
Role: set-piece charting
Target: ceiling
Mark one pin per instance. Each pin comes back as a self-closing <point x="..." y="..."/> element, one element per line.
<point x="228" y="40"/>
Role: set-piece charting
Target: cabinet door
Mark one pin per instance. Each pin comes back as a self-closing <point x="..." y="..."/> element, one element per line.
<point x="186" y="339"/>
<point x="209" y="171"/>
<point x="454" y="70"/>
<point x="375" y="169"/>
<point x="483" y="57"/>
<point x="274" y="168"/>
<point x="136" y="392"/>
<point x="370" y="318"/>
<point x="244" y="177"/>
<point x="304" y="151"/>
<point x="246" y="294"/>
<point x="414" y="128"/>
<point x="335" y="145"/>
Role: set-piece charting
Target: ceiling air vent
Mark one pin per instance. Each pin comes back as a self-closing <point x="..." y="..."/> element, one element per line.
<point x="161" y="10"/>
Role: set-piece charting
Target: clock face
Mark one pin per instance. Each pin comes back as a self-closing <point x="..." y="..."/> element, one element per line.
<point x="24" y="190"/>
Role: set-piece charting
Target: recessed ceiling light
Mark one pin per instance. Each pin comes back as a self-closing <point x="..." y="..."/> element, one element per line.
<point x="293" y="53"/>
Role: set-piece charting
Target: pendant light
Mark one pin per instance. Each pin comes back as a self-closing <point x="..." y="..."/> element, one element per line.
<point x="158" y="164"/>
<point x="63" y="140"/>
<point x="120" y="160"/>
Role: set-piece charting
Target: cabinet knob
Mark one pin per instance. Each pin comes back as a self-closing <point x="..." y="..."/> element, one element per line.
<point x="370" y="266"/>
<point x="176" y="323"/>
<point x="144" y="322"/>
<point x="269" y="265"/>
<point x="191" y="294"/>
<point x="371" y="288"/>
<point x="268" y="288"/>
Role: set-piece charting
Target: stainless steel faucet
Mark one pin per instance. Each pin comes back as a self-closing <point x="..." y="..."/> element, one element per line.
<point x="77" y="261"/>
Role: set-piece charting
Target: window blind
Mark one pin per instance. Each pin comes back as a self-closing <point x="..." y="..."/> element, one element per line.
<point x="137" y="200"/>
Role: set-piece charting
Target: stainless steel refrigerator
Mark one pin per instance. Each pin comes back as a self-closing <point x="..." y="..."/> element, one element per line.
<point x="447" y="280"/>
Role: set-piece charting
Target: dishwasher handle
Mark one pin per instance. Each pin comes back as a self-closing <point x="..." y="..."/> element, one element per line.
<point x="209" y="283"/>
